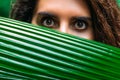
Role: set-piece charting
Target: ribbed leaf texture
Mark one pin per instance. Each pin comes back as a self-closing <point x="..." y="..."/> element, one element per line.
<point x="33" y="52"/>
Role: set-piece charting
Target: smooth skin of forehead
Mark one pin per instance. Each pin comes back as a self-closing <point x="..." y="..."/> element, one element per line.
<point x="76" y="7"/>
<point x="64" y="10"/>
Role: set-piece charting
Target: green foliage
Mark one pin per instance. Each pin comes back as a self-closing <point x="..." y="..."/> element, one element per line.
<point x="29" y="52"/>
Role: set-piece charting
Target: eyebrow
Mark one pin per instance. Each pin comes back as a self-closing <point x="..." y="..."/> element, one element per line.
<point x="82" y="18"/>
<point x="73" y="18"/>
<point x="47" y="14"/>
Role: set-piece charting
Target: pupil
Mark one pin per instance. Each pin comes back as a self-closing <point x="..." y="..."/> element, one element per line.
<point x="79" y="24"/>
<point x="49" y="21"/>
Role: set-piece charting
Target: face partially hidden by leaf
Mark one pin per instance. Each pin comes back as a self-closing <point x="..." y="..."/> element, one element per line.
<point x="68" y="16"/>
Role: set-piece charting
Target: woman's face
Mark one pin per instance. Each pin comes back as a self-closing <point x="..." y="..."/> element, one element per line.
<point x="68" y="16"/>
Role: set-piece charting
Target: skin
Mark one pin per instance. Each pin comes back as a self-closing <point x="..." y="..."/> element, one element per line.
<point x="68" y="16"/>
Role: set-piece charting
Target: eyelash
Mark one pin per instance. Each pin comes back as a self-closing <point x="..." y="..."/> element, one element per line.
<point x="42" y="20"/>
<point x="84" y="22"/>
<point x="56" y="23"/>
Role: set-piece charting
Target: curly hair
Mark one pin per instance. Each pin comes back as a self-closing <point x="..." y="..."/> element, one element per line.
<point x="22" y="10"/>
<point x="105" y="18"/>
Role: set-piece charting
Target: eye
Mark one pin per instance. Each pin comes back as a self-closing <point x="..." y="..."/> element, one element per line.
<point x="48" y="22"/>
<point x="80" y="25"/>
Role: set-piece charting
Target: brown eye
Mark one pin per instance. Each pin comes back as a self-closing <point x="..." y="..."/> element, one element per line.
<point x="80" y="25"/>
<point x="48" y="22"/>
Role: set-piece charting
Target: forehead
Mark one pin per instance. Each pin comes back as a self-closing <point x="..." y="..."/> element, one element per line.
<point x="64" y="7"/>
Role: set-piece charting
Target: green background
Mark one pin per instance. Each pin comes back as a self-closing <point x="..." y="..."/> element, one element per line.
<point x="5" y="6"/>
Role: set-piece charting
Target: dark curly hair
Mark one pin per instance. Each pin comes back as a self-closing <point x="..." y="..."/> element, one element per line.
<point x="105" y="16"/>
<point x="22" y="10"/>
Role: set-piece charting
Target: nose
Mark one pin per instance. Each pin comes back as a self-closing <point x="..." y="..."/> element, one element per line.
<point x="63" y="27"/>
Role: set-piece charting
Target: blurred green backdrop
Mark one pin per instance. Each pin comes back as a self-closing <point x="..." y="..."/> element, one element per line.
<point x="5" y="6"/>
